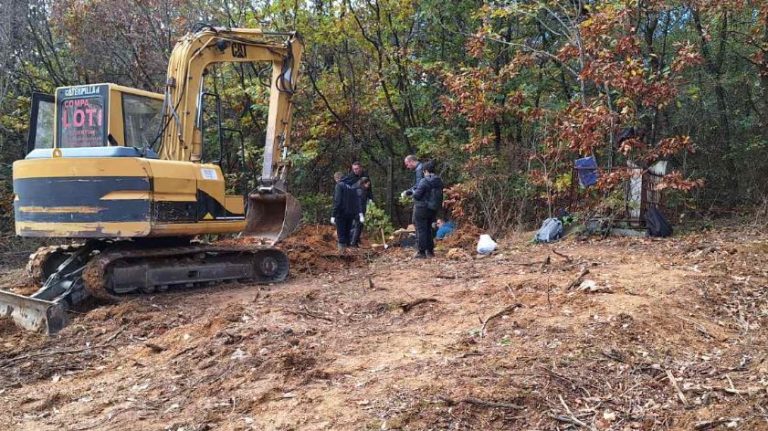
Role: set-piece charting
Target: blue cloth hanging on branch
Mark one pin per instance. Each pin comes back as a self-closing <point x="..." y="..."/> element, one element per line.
<point x="587" y="171"/>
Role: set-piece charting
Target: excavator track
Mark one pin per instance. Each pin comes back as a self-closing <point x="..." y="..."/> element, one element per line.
<point x="106" y="269"/>
<point x="120" y="270"/>
<point x="44" y="261"/>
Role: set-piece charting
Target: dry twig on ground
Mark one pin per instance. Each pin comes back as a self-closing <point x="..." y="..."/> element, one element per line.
<point x="577" y="280"/>
<point x="63" y="352"/>
<point x="407" y="306"/>
<point x="673" y="382"/>
<point x="506" y="310"/>
<point x="480" y="403"/>
<point x="306" y="312"/>
<point x="571" y="418"/>
<point x="564" y="256"/>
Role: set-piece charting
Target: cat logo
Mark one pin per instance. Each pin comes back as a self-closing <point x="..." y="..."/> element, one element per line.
<point x="238" y="50"/>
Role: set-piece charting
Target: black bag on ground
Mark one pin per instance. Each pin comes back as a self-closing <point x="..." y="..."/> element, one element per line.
<point x="657" y="225"/>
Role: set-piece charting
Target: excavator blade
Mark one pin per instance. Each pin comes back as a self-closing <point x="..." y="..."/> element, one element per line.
<point x="272" y="216"/>
<point x="36" y="315"/>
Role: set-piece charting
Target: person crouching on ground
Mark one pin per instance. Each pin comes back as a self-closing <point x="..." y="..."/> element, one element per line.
<point x="444" y="228"/>
<point x="346" y="206"/>
<point x="427" y="201"/>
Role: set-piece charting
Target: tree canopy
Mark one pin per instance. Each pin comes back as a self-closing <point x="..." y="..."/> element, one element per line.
<point x="505" y="95"/>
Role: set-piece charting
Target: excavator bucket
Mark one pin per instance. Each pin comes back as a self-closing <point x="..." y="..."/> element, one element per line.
<point x="33" y="314"/>
<point x="272" y="216"/>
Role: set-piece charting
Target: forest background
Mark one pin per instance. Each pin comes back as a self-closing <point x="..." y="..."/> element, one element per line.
<point x="505" y="95"/>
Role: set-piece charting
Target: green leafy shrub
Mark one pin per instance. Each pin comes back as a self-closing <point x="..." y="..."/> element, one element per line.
<point x="316" y="208"/>
<point x="376" y="222"/>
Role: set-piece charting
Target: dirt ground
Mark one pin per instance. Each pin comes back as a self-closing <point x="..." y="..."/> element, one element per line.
<point x="619" y="333"/>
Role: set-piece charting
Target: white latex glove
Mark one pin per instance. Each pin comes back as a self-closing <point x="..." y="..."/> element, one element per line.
<point x="333" y="221"/>
<point x="403" y="194"/>
<point x="362" y="218"/>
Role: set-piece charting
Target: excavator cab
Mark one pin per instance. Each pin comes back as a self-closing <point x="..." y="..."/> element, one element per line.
<point x="103" y="129"/>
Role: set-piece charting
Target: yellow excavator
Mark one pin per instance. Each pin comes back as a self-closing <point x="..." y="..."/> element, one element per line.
<point x="134" y="176"/>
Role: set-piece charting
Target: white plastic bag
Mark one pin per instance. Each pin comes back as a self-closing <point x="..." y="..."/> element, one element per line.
<point x="486" y="245"/>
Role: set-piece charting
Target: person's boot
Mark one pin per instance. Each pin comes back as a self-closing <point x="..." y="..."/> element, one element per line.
<point x="420" y="255"/>
<point x="342" y="248"/>
<point x="430" y="253"/>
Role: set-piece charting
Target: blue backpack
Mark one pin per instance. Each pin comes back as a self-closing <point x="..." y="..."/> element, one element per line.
<point x="551" y="230"/>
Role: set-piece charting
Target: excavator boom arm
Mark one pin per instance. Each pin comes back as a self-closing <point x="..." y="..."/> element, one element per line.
<point x="182" y="138"/>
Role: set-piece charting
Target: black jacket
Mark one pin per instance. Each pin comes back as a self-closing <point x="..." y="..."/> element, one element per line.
<point x="429" y="193"/>
<point x="345" y="201"/>
<point x="419" y="176"/>
<point x="362" y="196"/>
<point x="352" y="179"/>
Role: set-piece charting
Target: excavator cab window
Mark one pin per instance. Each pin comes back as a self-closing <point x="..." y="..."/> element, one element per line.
<point x="221" y="145"/>
<point x="141" y="120"/>
<point x="209" y="123"/>
<point x="81" y="116"/>
<point x="41" y="122"/>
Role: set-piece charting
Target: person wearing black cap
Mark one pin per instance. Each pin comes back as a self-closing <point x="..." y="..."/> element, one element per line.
<point x="427" y="201"/>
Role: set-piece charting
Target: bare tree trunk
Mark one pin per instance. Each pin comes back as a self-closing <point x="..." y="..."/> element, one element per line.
<point x="714" y="64"/>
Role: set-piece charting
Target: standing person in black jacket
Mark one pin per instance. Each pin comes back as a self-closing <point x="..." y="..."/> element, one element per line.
<point x="428" y="199"/>
<point x="412" y="162"/>
<point x="355" y="175"/>
<point x="353" y="180"/>
<point x="361" y="189"/>
<point x="346" y="206"/>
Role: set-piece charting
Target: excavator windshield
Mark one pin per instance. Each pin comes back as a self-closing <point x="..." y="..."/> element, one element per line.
<point x="141" y="119"/>
<point x="81" y="116"/>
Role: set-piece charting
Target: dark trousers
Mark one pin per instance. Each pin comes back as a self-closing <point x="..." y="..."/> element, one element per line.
<point x="343" y="226"/>
<point x="357" y="230"/>
<point x="424" y="217"/>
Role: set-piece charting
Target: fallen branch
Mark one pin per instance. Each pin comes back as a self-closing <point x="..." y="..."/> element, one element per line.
<point x="535" y="262"/>
<point x="570" y="381"/>
<point x="571" y="418"/>
<point x="673" y="382"/>
<point x="730" y="391"/>
<point x="506" y="310"/>
<point x="407" y="306"/>
<point x="701" y="426"/>
<point x="577" y="281"/>
<point x="115" y="335"/>
<point x="564" y="256"/>
<point x="155" y="347"/>
<point x="307" y="313"/>
<point x="480" y="403"/>
<point x="186" y="350"/>
<point x="546" y="262"/>
<point x="63" y="352"/>
<point x="614" y="354"/>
